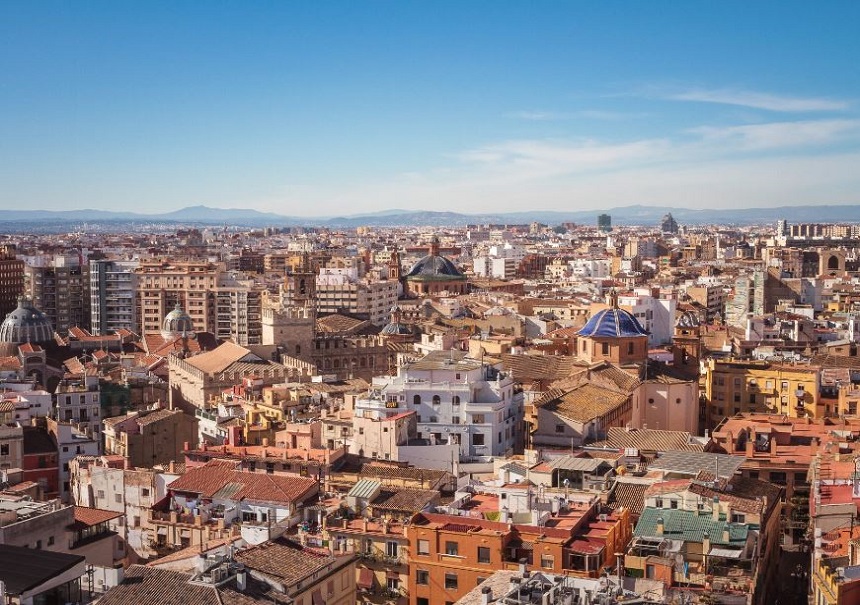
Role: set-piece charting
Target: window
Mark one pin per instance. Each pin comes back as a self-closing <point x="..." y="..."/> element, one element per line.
<point x="658" y="502"/>
<point x="50" y="540"/>
<point x="391" y="549"/>
<point x="547" y="561"/>
<point x="452" y="548"/>
<point x="101" y="493"/>
<point x="4" y="449"/>
<point x="422" y="576"/>
<point x="483" y="554"/>
<point x="423" y="547"/>
<point x="778" y="478"/>
<point x="739" y="518"/>
<point x="38" y="544"/>
<point x="145" y="492"/>
<point x="416" y="400"/>
<point x="422" y="601"/>
<point x="455" y="420"/>
<point x="478" y="439"/>
<point x="559" y="428"/>
<point x="478" y="418"/>
<point x="450" y="581"/>
<point x="604" y="348"/>
<point x="455" y="400"/>
<point x="437" y="400"/>
<point x="117" y="498"/>
<point x="630" y="348"/>
<point x="673" y="504"/>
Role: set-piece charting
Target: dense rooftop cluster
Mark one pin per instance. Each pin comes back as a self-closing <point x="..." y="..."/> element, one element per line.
<point x="498" y="413"/>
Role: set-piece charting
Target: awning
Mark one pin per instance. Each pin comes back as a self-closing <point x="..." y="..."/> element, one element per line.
<point x="365" y="578"/>
<point x="185" y="533"/>
<point x="162" y="531"/>
<point x="392" y="575"/>
<point x="725" y="553"/>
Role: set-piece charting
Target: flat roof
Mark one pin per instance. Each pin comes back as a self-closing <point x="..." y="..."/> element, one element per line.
<point x="23" y="569"/>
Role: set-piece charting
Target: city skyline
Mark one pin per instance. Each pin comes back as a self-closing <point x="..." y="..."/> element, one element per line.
<point x="345" y="108"/>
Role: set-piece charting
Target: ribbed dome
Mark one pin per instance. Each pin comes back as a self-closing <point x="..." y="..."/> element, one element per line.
<point x="397" y="329"/>
<point x="26" y="324"/>
<point x="177" y="322"/>
<point x="435" y="266"/>
<point x="613" y="323"/>
<point x="688" y="319"/>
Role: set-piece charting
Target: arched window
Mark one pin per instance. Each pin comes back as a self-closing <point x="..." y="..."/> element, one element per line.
<point x="298" y="350"/>
<point x="437" y="400"/>
<point x="416" y="400"/>
<point x="455" y="400"/>
<point x="336" y="364"/>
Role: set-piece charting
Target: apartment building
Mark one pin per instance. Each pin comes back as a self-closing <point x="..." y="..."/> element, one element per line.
<point x="341" y="289"/>
<point x="458" y="400"/>
<point x="112" y="291"/>
<point x="11" y="279"/>
<point x="163" y="284"/>
<point x="60" y="288"/>
<point x="739" y="387"/>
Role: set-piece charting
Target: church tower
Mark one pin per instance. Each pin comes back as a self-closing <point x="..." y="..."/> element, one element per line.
<point x="687" y="342"/>
<point x="290" y="321"/>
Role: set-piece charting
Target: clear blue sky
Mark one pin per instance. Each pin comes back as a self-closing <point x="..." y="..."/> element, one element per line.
<point x="317" y="108"/>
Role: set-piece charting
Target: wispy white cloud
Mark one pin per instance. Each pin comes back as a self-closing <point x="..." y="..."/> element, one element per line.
<point x="780" y="135"/>
<point x="588" y="114"/>
<point x="539" y="116"/>
<point x="765" y="164"/>
<point x="758" y="100"/>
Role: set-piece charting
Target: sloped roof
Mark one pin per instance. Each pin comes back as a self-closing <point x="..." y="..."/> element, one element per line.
<point x="285" y="560"/>
<point x="649" y="439"/>
<point x="690" y="526"/>
<point x="586" y="403"/>
<point x="692" y="463"/>
<point x="220" y="358"/>
<point x="22" y="569"/>
<point x="219" y="478"/>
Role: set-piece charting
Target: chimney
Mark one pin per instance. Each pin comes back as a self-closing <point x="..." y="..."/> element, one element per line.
<point x="660" y="526"/>
<point x="773" y="444"/>
<point x="486" y="595"/>
<point x="726" y="534"/>
<point x="265" y="442"/>
<point x="171" y="468"/>
<point x="715" y="509"/>
<point x="706" y="543"/>
<point x="750" y="451"/>
<point x="186" y="446"/>
<point x="515" y="584"/>
<point x="241" y="580"/>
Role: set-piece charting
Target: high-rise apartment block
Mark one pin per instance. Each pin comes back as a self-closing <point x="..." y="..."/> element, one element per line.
<point x="163" y="284"/>
<point x="112" y="296"/>
<point x="60" y="288"/>
<point x="11" y="279"/>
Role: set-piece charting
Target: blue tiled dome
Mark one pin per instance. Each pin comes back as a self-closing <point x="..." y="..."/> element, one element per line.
<point x="613" y="323"/>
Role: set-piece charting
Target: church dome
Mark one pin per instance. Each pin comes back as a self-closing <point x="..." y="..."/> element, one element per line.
<point x="176" y="323"/>
<point x="688" y="319"/>
<point x="26" y="324"/>
<point x="613" y="323"/>
<point x="434" y="266"/>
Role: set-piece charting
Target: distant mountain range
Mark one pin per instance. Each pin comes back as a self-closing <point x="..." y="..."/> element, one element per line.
<point x="627" y="215"/>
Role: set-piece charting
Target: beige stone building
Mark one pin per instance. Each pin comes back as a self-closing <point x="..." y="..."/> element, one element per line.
<point x="145" y="438"/>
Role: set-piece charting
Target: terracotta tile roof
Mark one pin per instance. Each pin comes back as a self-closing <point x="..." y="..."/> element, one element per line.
<point x="586" y="402"/>
<point x="405" y="500"/>
<point x="87" y="517"/>
<point x="337" y="323"/>
<point x="531" y="368"/>
<point x="648" y="439"/>
<point x="221" y="479"/>
<point x="10" y="362"/>
<point x="220" y="358"/>
<point x="628" y="495"/>
<point x="285" y="560"/>
<point x="151" y="586"/>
